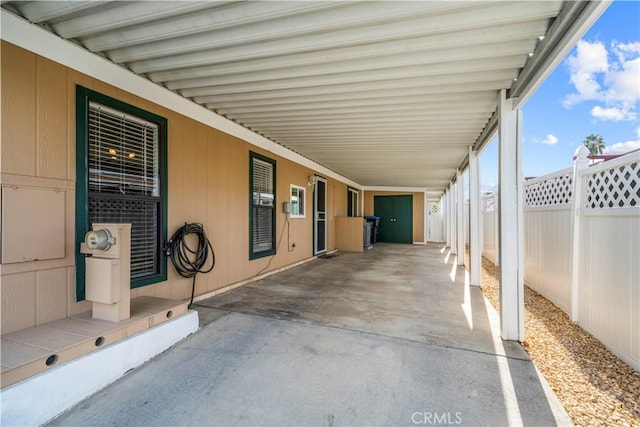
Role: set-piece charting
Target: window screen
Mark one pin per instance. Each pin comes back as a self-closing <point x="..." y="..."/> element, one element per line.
<point x="262" y="206"/>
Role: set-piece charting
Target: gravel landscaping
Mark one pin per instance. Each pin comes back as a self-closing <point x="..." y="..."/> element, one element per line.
<point x="595" y="387"/>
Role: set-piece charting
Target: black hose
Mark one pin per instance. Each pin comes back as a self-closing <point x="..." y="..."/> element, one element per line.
<point x="181" y="254"/>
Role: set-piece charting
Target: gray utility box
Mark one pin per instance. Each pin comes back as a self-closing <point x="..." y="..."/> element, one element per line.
<point x="367" y="226"/>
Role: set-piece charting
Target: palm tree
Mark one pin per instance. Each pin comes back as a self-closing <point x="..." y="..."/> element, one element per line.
<point x="595" y="144"/>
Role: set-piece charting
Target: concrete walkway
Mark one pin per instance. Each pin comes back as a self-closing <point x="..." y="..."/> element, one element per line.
<point x="392" y="336"/>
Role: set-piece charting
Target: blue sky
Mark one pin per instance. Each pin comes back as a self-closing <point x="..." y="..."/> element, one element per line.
<point x="595" y="89"/>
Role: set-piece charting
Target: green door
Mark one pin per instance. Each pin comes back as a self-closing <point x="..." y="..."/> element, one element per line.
<point x="396" y="218"/>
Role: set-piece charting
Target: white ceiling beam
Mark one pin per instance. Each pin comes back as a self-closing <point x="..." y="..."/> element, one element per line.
<point x="348" y="127"/>
<point x="461" y="109"/>
<point x="389" y="63"/>
<point x="238" y="13"/>
<point x="444" y="84"/>
<point x="469" y="88"/>
<point x="452" y="99"/>
<point x="125" y="15"/>
<point x="41" y="11"/>
<point x="478" y="16"/>
<point x="328" y="118"/>
<point x="423" y="71"/>
<point x="377" y="134"/>
<point x="238" y="60"/>
<point x="341" y="139"/>
<point x="328" y="21"/>
<point x="357" y="123"/>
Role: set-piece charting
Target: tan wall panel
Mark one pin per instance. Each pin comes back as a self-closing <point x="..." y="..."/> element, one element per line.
<point x="418" y="209"/>
<point x="73" y="306"/>
<point x="18" y="111"/>
<point x="208" y="182"/>
<point x="18" y="301"/>
<point x="51" y="295"/>
<point x="349" y="234"/>
<point x="228" y="226"/>
<point x="52" y="122"/>
<point x="300" y="229"/>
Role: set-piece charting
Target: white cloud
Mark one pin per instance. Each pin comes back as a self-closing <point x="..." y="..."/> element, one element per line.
<point x="622" y="147"/>
<point x="549" y="140"/>
<point x="590" y="59"/>
<point x="614" y="114"/>
<point x="613" y="84"/>
<point x="624" y="51"/>
<point x="624" y="84"/>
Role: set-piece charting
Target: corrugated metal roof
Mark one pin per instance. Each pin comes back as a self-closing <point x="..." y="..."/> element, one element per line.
<point x="384" y="93"/>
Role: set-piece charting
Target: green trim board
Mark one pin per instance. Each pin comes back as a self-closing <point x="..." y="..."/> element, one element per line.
<point x="261" y="254"/>
<point x="83" y="97"/>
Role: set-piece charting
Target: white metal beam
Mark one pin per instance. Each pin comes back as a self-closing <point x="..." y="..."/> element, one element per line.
<point x="240" y="13"/>
<point x="460" y="217"/>
<point x="445" y="210"/>
<point x="397" y="60"/>
<point x="451" y="83"/>
<point x="475" y="224"/>
<point x="236" y="60"/>
<point x="344" y="20"/>
<point x="328" y="118"/>
<point x="511" y="226"/>
<point x="474" y="17"/>
<point x="40" y="11"/>
<point x="422" y="71"/>
<point x="126" y="15"/>
<point x="372" y="93"/>
<point x="455" y="99"/>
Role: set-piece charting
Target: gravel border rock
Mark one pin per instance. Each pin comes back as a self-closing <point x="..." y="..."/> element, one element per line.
<point x="594" y="386"/>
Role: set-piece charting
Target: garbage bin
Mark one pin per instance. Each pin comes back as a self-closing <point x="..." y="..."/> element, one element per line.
<point x="367" y="233"/>
<point x="375" y="226"/>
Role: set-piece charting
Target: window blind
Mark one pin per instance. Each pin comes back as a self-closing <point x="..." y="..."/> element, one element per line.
<point x="263" y="205"/>
<point x="123" y="153"/>
<point x="123" y="181"/>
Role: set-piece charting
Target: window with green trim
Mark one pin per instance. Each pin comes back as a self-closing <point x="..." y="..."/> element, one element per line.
<point x="121" y="178"/>
<point x="262" y="200"/>
<point x="352" y="202"/>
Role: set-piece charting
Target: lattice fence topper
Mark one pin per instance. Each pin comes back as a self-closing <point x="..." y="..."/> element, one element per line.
<point x="435" y="208"/>
<point x="556" y="190"/>
<point x="618" y="187"/>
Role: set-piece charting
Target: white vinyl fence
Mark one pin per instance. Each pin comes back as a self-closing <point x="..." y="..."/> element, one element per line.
<point x="582" y="247"/>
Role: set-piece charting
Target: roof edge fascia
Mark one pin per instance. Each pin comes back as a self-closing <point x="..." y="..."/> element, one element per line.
<point x="573" y="21"/>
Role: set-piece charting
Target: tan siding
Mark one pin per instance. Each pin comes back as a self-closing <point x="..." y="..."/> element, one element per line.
<point x="18" y="301"/>
<point x="18" y="111"/>
<point x="208" y="182"/>
<point x="51" y="129"/>
<point x="73" y="306"/>
<point x="51" y="295"/>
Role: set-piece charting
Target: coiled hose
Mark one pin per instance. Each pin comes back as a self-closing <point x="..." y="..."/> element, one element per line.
<point x="187" y="261"/>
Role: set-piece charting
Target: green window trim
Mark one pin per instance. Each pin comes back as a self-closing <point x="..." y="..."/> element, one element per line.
<point x="254" y="207"/>
<point x="83" y="97"/>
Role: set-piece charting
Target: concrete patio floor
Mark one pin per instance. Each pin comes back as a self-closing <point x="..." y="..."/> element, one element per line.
<point x="392" y="336"/>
